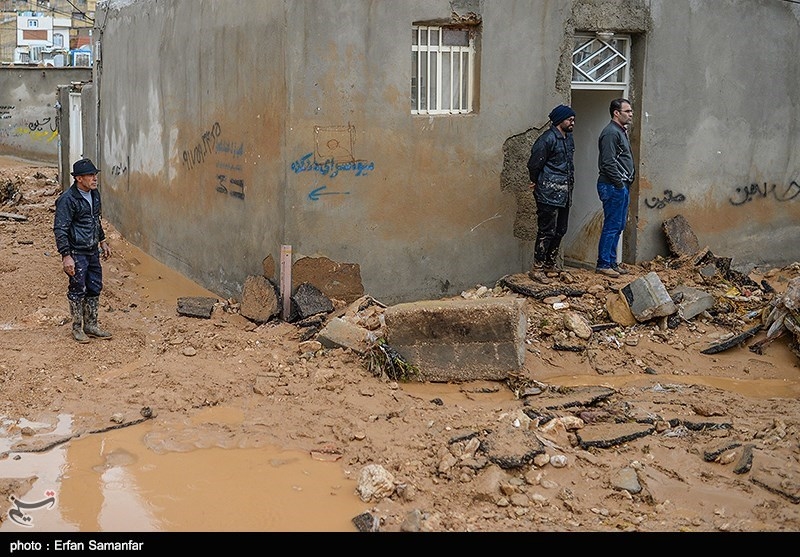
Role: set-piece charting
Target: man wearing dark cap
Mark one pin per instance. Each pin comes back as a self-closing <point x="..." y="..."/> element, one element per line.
<point x="552" y="178"/>
<point x="81" y="241"/>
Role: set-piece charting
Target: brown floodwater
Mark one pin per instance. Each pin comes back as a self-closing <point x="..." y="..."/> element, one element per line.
<point x="115" y="482"/>
<point x="138" y="479"/>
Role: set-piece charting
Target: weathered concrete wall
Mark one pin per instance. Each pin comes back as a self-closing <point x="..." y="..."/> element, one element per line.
<point x="210" y="112"/>
<point x="192" y="134"/>
<point x="28" y="96"/>
<point x="204" y="153"/>
<point x="719" y="136"/>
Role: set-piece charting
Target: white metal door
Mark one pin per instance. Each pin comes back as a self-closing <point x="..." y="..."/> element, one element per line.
<point x="75" y="128"/>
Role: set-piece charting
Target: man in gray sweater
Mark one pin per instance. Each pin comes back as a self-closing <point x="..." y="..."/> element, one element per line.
<point x="616" y="172"/>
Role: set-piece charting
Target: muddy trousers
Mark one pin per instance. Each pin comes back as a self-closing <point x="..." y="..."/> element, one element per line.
<point x="84" y="295"/>
<point x="552" y="222"/>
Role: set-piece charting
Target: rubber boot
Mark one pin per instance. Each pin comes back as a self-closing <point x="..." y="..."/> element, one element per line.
<point x="90" y="327"/>
<point x="77" y="321"/>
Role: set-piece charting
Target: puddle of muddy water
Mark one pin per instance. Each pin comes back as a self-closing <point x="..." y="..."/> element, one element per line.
<point x="112" y="482"/>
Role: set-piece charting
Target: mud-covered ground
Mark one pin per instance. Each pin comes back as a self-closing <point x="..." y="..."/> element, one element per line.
<point x="720" y="452"/>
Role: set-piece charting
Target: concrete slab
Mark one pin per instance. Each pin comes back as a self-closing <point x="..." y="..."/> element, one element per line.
<point x="648" y="298"/>
<point x="693" y="301"/>
<point x="196" y="306"/>
<point x="681" y="238"/>
<point x="459" y="340"/>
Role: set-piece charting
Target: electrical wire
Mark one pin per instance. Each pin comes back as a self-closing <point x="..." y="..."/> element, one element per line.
<point x="36" y="8"/>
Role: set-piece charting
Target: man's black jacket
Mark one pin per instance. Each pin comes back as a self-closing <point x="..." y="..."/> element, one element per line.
<point x="76" y="225"/>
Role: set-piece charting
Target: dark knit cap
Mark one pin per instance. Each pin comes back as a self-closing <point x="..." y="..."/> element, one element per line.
<point x="560" y="113"/>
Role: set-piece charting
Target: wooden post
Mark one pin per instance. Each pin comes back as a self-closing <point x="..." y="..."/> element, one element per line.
<point x="286" y="281"/>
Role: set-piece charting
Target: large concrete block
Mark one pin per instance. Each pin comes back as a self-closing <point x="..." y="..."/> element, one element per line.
<point x="648" y="298"/>
<point x="459" y="340"/>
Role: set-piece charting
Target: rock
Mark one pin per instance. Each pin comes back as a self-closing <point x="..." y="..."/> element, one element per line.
<point x="374" y="483"/>
<point x="627" y="480"/>
<point x="577" y="324"/>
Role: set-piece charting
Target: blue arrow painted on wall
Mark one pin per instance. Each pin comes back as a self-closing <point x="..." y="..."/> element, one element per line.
<point x="315" y="194"/>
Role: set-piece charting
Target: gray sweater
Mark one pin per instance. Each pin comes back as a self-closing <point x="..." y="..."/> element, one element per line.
<point x="615" y="161"/>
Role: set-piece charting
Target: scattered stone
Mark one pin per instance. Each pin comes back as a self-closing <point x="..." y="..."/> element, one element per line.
<point x="626" y="479"/>
<point x="745" y="461"/>
<point x="196" y="306"/>
<point x="366" y="522"/>
<point x="259" y="299"/>
<point x="578" y="324"/>
<point x="374" y="483"/>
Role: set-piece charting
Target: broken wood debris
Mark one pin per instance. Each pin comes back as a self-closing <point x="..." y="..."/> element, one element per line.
<point x="736" y="340"/>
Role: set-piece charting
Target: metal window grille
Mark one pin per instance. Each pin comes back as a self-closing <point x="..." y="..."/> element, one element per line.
<point x="442" y="61"/>
<point x="599" y="61"/>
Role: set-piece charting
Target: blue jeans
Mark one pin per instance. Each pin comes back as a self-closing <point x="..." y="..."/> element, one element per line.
<point x="88" y="278"/>
<point x="615" y="213"/>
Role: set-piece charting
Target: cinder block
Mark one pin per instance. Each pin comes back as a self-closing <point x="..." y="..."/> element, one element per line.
<point x="339" y="333"/>
<point x="694" y="301"/>
<point x="459" y="340"/>
<point x="648" y="298"/>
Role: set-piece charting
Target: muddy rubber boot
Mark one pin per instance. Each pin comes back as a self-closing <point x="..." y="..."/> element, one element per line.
<point x="77" y="321"/>
<point x="90" y="327"/>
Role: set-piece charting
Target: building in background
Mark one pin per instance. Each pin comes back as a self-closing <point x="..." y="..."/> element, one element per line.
<point x="46" y="32"/>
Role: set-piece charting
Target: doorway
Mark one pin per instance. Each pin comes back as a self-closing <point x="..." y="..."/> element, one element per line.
<point x="600" y="74"/>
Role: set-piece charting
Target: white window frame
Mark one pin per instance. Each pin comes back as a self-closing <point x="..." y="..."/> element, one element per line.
<point x="430" y="94"/>
<point x="601" y="62"/>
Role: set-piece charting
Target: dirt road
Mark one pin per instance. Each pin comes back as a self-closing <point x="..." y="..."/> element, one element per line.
<point x="436" y="445"/>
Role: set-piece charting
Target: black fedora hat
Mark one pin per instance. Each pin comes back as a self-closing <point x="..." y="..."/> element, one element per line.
<point x="84" y="167"/>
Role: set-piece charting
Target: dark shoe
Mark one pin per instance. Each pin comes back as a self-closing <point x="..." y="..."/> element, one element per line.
<point x="620" y="270"/>
<point x="607" y="272"/>
<point x="538" y="276"/>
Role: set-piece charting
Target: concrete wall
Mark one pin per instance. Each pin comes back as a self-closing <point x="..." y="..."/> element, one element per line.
<point x="719" y="136"/>
<point x="28" y="117"/>
<point x="208" y="110"/>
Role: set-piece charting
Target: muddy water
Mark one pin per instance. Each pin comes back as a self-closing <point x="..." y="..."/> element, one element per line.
<point x="117" y="482"/>
<point x="113" y="482"/>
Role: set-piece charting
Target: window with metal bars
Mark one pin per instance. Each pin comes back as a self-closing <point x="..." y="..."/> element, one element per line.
<point x="600" y="61"/>
<point x="442" y="62"/>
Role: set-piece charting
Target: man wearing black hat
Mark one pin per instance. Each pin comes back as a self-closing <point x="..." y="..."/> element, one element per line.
<point x="81" y="241"/>
<point x="552" y="174"/>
